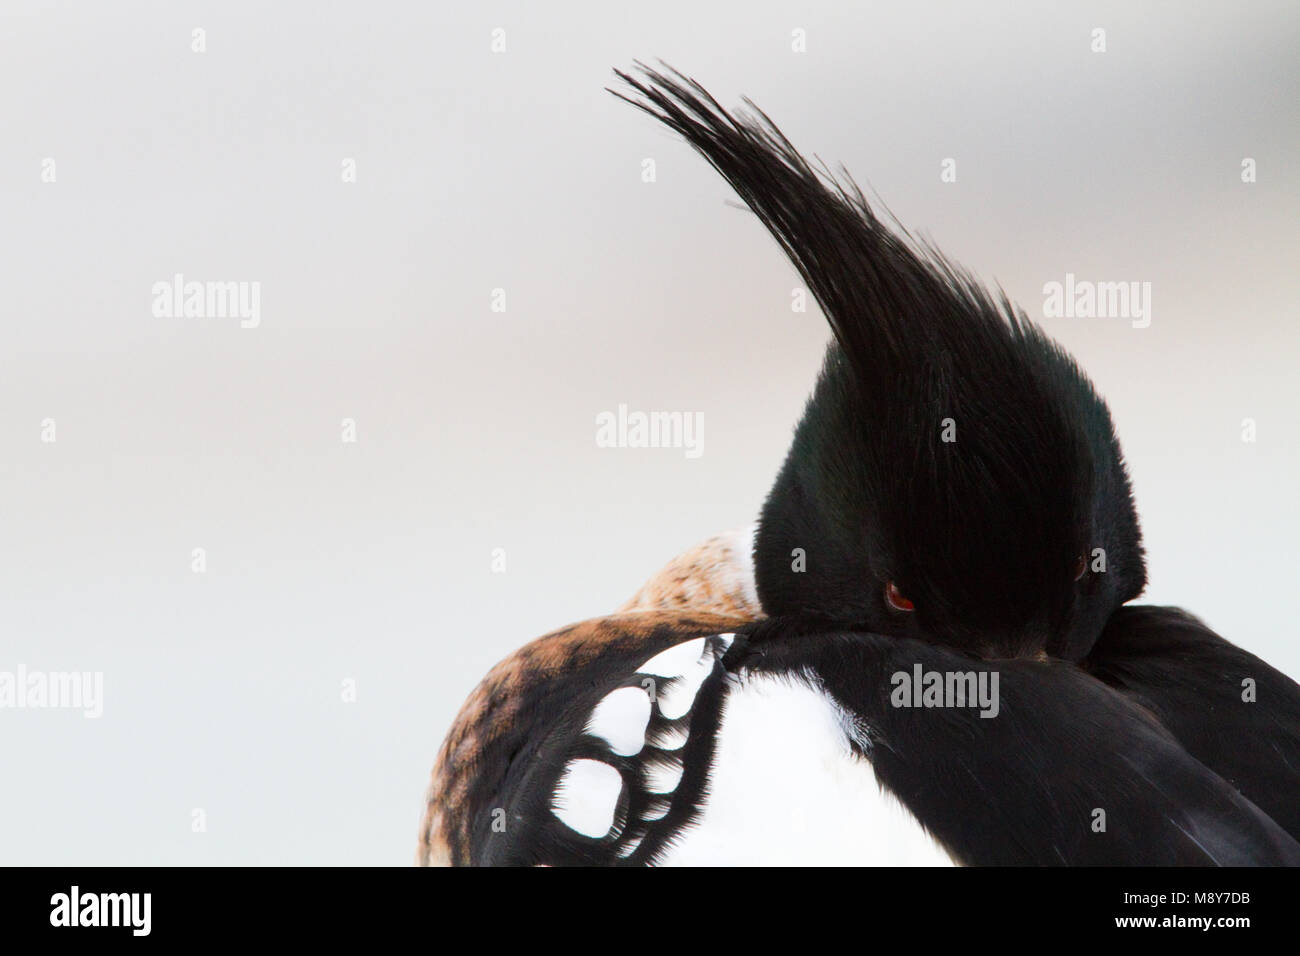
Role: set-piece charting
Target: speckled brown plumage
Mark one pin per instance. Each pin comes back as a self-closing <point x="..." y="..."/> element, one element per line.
<point x="713" y="576"/>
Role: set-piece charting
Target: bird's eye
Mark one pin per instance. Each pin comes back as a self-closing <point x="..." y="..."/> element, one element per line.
<point x="894" y="598"/>
<point x="1080" y="566"/>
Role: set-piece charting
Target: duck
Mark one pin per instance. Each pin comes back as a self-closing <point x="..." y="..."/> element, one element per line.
<point x="925" y="651"/>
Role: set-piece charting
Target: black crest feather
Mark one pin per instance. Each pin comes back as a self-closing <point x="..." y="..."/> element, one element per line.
<point x="980" y="530"/>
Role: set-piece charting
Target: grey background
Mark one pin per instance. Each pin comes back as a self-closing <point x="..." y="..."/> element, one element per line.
<point x="371" y="561"/>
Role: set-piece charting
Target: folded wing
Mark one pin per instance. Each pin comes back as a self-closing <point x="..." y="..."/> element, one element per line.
<point x="561" y="754"/>
<point x="1066" y="771"/>
<point x="1226" y="707"/>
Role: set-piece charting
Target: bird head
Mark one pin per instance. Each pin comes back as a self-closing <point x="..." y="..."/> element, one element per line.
<point x="955" y="477"/>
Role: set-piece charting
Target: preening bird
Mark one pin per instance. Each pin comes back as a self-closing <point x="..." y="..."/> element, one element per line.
<point x="923" y="653"/>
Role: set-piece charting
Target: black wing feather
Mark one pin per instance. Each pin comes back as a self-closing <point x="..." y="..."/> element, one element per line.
<point x="1192" y="680"/>
<point x="1024" y="787"/>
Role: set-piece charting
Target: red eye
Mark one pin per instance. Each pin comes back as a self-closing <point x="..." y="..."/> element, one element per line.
<point x="894" y="598"/>
<point x="1080" y="566"/>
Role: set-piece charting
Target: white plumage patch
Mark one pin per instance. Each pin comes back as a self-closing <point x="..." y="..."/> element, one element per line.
<point x="674" y="661"/>
<point x="663" y="778"/>
<point x="676" y="700"/>
<point x="670" y="738"/>
<point x="786" y="789"/>
<point x="689" y="664"/>
<point x="586" y="797"/>
<point x="620" y="718"/>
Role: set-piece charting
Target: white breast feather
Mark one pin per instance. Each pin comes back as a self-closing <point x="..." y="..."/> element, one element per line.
<point x="786" y="789"/>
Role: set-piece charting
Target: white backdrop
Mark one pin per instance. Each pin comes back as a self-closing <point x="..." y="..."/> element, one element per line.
<point x="371" y="561"/>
